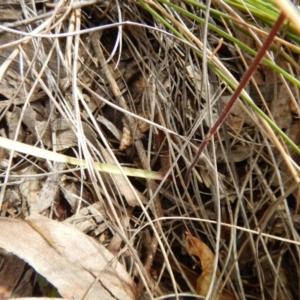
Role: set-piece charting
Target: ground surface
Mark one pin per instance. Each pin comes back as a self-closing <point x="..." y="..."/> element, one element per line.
<point x="135" y="95"/>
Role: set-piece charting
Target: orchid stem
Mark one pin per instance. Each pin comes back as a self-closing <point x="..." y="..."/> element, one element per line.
<point x="235" y="95"/>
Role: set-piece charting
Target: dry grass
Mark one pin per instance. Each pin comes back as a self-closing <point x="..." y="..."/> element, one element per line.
<point x="156" y="98"/>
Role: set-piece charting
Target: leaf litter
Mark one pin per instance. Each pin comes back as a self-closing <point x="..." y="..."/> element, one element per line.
<point x="132" y="243"/>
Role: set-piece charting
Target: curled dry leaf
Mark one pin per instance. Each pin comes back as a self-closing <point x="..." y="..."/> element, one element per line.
<point x="196" y="247"/>
<point x="126" y="139"/>
<point x="142" y="125"/>
<point x="79" y="267"/>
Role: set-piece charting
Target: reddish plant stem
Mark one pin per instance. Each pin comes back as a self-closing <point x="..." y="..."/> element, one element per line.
<point x="236" y="93"/>
<point x="164" y="151"/>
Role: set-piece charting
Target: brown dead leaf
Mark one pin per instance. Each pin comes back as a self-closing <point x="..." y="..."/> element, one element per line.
<point x="197" y="248"/>
<point x="13" y="119"/>
<point x="71" y="193"/>
<point x="34" y="122"/>
<point x="202" y="251"/>
<point x="238" y="153"/>
<point x="126" y="138"/>
<point x="66" y="137"/>
<point x="235" y="122"/>
<point x="12" y="198"/>
<point x="142" y="125"/>
<point x="88" y="218"/>
<point x="3" y="158"/>
<point x="31" y="187"/>
<point x="11" y="275"/>
<point x="50" y="191"/>
<point x="281" y="110"/>
<point x="194" y="73"/>
<point x="137" y="85"/>
<point x="73" y="262"/>
<point x="236" y="111"/>
<point x="20" y="63"/>
<point x="117" y="240"/>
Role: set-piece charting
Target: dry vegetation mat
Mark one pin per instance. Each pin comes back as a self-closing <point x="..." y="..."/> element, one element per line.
<point x="103" y="107"/>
